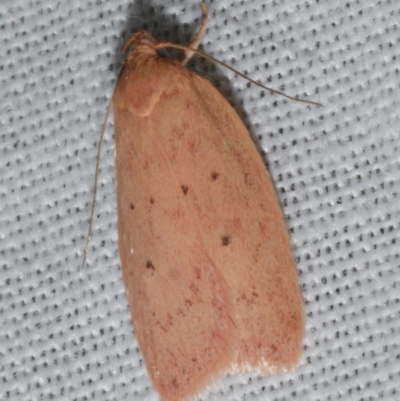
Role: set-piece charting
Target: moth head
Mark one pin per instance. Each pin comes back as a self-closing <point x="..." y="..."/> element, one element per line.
<point x="140" y="42"/>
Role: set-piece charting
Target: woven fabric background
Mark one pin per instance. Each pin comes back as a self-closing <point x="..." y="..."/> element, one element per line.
<point x="65" y="332"/>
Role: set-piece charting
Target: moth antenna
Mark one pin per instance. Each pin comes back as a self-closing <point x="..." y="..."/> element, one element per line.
<point x="161" y="45"/>
<point x="96" y="179"/>
<point x="194" y="44"/>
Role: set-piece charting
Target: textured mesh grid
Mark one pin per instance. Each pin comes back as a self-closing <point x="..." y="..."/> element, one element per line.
<point x="66" y="332"/>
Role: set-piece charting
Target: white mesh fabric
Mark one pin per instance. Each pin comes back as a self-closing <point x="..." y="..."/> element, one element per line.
<point x="66" y="332"/>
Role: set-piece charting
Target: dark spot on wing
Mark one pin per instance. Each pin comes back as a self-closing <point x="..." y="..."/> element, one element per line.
<point x="214" y="175"/>
<point x="225" y="240"/>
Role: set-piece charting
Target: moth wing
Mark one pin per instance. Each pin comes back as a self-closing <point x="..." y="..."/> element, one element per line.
<point x="180" y="303"/>
<point x="230" y="193"/>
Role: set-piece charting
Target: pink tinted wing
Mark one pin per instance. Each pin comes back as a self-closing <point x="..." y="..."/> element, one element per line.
<point x="180" y="303"/>
<point x="233" y="201"/>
